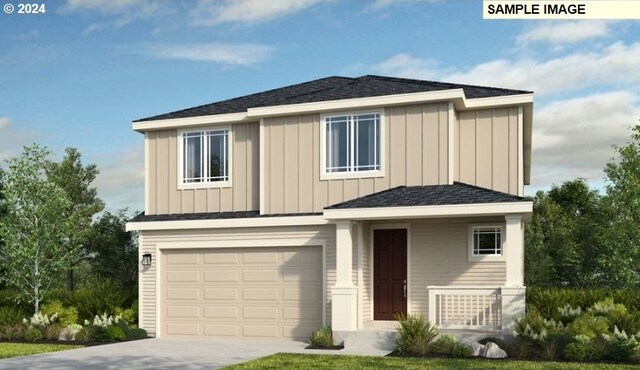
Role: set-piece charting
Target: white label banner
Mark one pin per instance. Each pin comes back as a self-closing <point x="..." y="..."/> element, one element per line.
<point x="561" y="9"/>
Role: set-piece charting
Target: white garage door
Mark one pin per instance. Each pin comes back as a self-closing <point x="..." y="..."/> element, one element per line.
<point x="242" y="292"/>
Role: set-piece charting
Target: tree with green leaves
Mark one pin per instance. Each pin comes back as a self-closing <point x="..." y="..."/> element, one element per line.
<point x="34" y="228"/>
<point x="623" y="196"/>
<point x="76" y="179"/>
<point x="563" y="243"/>
<point x="114" y="250"/>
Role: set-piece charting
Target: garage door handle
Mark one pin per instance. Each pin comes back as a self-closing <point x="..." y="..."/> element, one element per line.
<point x="404" y="288"/>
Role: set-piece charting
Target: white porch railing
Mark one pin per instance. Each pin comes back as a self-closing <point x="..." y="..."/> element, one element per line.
<point x="466" y="307"/>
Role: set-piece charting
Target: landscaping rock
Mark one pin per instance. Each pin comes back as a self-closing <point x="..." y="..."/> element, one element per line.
<point x="475" y="347"/>
<point x="492" y="350"/>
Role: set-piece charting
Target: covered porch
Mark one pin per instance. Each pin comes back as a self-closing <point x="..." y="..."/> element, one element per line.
<point x="429" y="259"/>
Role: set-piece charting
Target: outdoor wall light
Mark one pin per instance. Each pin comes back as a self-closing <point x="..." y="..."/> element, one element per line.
<point x="146" y="260"/>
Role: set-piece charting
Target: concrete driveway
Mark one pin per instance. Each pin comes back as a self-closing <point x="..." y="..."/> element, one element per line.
<point x="156" y="354"/>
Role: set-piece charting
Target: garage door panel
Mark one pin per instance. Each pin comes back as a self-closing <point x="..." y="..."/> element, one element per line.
<point x="295" y="274"/>
<point x="260" y="257"/>
<point x="183" y="276"/>
<point x="260" y="331"/>
<point x="221" y="258"/>
<point x="214" y="275"/>
<point x="260" y="294"/>
<point x="260" y="312"/>
<point x="223" y="294"/>
<point x="262" y="276"/>
<point x="310" y="257"/>
<point x="221" y="312"/>
<point x="221" y="330"/>
<point x="183" y="258"/>
<point x="309" y="313"/>
<point x="306" y="294"/>
<point x="189" y="312"/>
<point x="183" y="294"/>
<point x="183" y="329"/>
<point x="242" y="292"/>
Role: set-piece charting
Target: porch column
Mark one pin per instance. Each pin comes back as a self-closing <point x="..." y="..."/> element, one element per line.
<point x="514" y="251"/>
<point x="513" y="293"/>
<point x="344" y="303"/>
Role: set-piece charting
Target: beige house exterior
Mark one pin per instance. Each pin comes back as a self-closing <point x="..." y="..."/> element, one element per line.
<point x="340" y="201"/>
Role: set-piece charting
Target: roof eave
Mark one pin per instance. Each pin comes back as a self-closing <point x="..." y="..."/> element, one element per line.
<point x="524" y="208"/>
<point x="461" y="102"/>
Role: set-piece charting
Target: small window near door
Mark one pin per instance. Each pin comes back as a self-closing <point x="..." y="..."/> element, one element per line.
<point x="485" y="242"/>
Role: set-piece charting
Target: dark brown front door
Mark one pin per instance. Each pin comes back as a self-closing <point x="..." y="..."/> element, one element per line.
<point x="389" y="273"/>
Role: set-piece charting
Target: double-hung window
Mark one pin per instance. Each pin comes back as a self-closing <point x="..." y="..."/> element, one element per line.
<point x="352" y="143"/>
<point x="204" y="157"/>
<point x="485" y="242"/>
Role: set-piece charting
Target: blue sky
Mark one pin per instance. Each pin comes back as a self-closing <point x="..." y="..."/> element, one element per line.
<point x="79" y="74"/>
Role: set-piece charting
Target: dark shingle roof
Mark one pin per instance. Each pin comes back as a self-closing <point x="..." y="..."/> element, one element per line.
<point x="210" y="216"/>
<point x="430" y="195"/>
<point x="332" y="88"/>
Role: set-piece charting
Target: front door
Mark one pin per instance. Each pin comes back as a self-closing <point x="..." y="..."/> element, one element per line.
<point x="389" y="273"/>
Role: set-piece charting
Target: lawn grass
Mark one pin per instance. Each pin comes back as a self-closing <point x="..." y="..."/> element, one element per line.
<point x="298" y="361"/>
<point x="25" y="349"/>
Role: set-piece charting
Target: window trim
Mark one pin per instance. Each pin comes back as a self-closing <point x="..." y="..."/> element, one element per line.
<point x="485" y="258"/>
<point x="324" y="175"/>
<point x="180" y="159"/>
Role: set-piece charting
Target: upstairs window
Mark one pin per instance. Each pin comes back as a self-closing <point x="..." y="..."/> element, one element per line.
<point x="205" y="156"/>
<point x="486" y="241"/>
<point x="352" y="143"/>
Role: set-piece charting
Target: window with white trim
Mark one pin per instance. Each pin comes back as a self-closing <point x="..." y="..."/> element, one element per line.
<point x="352" y="143"/>
<point x="205" y="156"/>
<point x="486" y="240"/>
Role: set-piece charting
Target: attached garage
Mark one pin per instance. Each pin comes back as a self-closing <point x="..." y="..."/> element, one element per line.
<point x="241" y="292"/>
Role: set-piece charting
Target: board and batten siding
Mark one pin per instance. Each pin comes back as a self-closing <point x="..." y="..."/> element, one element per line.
<point x="150" y="239"/>
<point x="415" y="152"/>
<point x="166" y="198"/>
<point x="486" y="148"/>
<point x="438" y="256"/>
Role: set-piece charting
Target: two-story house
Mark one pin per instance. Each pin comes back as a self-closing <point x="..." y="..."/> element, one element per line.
<point x="340" y="201"/>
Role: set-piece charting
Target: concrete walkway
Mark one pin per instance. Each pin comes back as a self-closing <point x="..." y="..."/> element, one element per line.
<point x="156" y="354"/>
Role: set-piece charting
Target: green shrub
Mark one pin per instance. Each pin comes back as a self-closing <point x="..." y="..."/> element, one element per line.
<point x="10" y="332"/>
<point x="116" y="334"/>
<point x="67" y="334"/>
<point x="10" y="316"/>
<point x="322" y="338"/>
<point x="85" y="334"/>
<point x="621" y="350"/>
<point x="52" y="332"/>
<point x="128" y="315"/>
<point x="98" y="296"/>
<point x="548" y="301"/>
<point x="589" y="325"/>
<point x="553" y="346"/>
<point x="137" y="333"/>
<point x="415" y="334"/>
<point x="499" y="341"/>
<point x="443" y="345"/>
<point x="461" y="351"/>
<point x="580" y="351"/>
<point x="33" y="335"/>
<point x="534" y="328"/>
<point x="66" y="315"/>
<point x="111" y="333"/>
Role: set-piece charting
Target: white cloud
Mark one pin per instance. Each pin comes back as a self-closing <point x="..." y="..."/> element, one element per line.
<point x="616" y="64"/>
<point x="563" y="32"/>
<point x="573" y="138"/>
<point x="121" y="180"/>
<point x="225" y="54"/>
<point x="4" y="122"/>
<point x="212" y="12"/>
